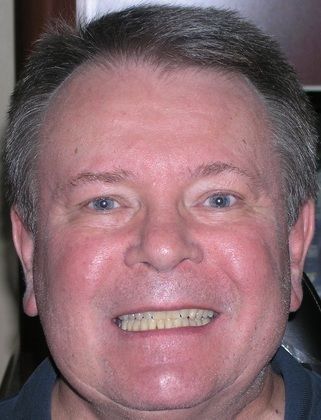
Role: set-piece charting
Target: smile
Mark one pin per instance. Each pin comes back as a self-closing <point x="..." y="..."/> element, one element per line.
<point x="161" y="320"/>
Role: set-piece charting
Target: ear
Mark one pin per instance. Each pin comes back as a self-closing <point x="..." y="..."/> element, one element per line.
<point x="300" y="237"/>
<point x="23" y="241"/>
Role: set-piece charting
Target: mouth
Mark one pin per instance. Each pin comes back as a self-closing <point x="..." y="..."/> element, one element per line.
<point x="162" y="320"/>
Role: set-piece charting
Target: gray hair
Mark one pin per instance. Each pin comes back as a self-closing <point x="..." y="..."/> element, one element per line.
<point x="173" y="37"/>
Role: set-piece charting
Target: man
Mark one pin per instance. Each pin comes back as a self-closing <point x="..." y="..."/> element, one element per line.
<point x="161" y="171"/>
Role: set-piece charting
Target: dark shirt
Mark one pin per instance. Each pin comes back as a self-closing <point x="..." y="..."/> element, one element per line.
<point x="33" y="402"/>
<point x="302" y="388"/>
<point x="302" y="392"/>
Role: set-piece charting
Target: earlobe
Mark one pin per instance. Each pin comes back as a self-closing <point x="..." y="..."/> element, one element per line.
<point x="24" y="244"/>
<point x="300" y="237"/>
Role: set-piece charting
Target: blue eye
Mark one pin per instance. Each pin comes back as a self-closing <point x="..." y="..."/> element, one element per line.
<point x="103" y="204"/>
<point x="220" y="201"/>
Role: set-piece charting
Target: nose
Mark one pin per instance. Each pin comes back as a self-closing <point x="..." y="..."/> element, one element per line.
<point x="163" y="245"/>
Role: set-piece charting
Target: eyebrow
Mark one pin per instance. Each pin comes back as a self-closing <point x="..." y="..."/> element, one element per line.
<point x="216" y="168"/>
<point x="204" y="170"/>
<point x="108" y="177"/>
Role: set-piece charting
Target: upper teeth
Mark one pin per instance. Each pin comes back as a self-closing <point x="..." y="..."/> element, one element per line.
<point x="143" y="321"/>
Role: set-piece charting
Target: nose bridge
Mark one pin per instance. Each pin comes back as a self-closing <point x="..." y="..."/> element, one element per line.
<point x="165" y="235"/>
<point x="164" y="241"/>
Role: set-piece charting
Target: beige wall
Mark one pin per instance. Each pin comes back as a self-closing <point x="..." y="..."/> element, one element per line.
<point x="8" y="266"/>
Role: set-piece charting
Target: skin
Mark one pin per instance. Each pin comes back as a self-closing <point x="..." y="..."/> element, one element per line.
<point x="160" y="145"/>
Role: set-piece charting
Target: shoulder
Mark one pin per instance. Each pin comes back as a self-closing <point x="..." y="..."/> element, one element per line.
<point x="315" y="396"/>
<point x="302" y="388"/>
<point x="7" y="408"/>
<point x="34" y="399"/>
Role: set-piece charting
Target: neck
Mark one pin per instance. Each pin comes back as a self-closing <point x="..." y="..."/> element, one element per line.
<point x="265" y="399"/>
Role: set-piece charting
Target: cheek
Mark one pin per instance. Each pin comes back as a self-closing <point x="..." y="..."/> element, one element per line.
<point x="253" y="269"/>
<point x="254" y="259"/>
<point x="76" y="256"/>
<point x="76" y="273"/>
<point x="76" y="287"/>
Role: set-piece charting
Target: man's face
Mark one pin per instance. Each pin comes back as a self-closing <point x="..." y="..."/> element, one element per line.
<point x="159" y="192"/>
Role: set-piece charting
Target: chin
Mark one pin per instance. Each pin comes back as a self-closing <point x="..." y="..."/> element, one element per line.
<point x="166" y="391"/>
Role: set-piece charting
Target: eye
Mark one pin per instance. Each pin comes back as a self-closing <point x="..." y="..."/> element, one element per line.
<point x="220" y="201"/>
<point x="103" y="204"/>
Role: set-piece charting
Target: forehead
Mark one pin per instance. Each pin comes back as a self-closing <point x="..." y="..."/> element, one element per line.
<point x="126" y="115"/>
